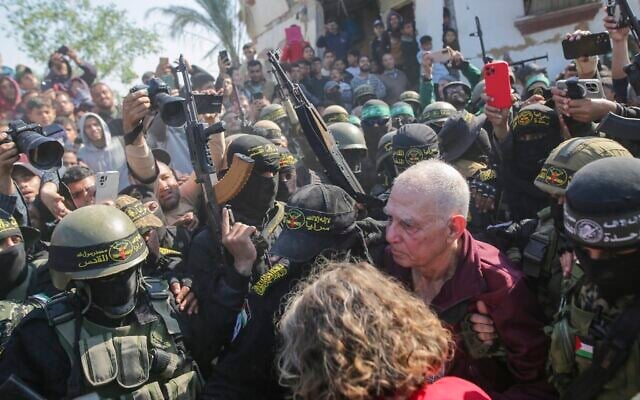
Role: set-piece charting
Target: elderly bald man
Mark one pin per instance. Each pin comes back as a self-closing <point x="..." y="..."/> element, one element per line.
<point x="430" y="249"/>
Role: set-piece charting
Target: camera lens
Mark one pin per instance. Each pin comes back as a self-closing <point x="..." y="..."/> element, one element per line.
<point x="43" y="152"/>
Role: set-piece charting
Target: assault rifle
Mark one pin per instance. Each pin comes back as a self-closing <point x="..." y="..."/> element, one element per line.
<point x="216" y="192"/>
<point x="521" y="63"/>
<point x="15" y="388"/>
<point x="319" y="138"/>
<point x="617" y="127"/>
<point x="628" y="18"/>
<point x="478" y="33"/>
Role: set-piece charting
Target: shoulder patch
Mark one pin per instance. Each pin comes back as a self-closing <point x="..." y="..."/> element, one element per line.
<point x="274" y="274"/>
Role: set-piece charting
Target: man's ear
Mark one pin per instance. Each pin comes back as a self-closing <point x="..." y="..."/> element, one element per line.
<point x="456" y="227"/>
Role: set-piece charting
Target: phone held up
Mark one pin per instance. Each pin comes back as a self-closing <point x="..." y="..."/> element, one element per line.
<point x="498" y="84"/>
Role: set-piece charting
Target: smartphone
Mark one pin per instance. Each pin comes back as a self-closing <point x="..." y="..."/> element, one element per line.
<point x="107" y="186"/>
<point x="497" y="83"/>
<point x="586" y="46"/>
<point x="208" y="103"/>
<point x="63" y="50"/>
<point x="164" y="60"/>
<point x="587" y="88"/>
<point x="440" y="56"/>
<point x="257" y="96"/>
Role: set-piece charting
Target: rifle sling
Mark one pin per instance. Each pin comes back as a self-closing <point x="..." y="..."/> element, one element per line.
<point x="611" y="355"/>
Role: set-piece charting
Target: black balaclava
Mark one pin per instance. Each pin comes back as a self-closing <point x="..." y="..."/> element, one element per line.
<point x="530" y="154"/>
<point x="480" y="149"/>
<point x="616" y="276"/>
<point x="258" y="195"/>
<point x="557" y="214"/>
<point x="13" y="268"/>
<point x="114" y="296"/>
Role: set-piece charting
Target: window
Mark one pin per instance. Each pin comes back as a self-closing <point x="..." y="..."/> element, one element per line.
<point x="538" y="7"/>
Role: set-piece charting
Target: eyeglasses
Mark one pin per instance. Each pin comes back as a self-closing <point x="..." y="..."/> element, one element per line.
<point x="375" y="121"/>
<point x="88" y="190"/>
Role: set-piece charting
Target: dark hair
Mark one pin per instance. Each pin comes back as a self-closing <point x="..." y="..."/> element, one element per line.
<point x="76" y="173"/>
<point x="63" y="120"/>
<point x="316" y="59"/>
<point x="98" y="84"/>
<point x="426" y="39"/>
<point x="364" y="56"/>
<point x="254" y="63"/>
<point x="247" y="46"/>
<point x="456" y="44"/>
<point x="354" y="52"/>
<point x="39" y="102"/>
<point x="328" y="51"/>
<point x="304" y="62"/>
<point x="309" y="47"/>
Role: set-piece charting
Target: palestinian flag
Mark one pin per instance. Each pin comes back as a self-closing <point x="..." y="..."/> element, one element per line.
<point x="583" y="350"/>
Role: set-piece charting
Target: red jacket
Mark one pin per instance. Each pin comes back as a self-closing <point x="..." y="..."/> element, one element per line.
<point x="292" y="52"/>
<point x="486" y="274"/>
<point x="450" y="388"/>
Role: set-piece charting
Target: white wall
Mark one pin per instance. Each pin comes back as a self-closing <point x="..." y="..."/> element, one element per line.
<point x="497" y="18"/>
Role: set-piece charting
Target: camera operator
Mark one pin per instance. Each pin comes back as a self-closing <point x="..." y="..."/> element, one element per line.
<point x="61" y="73"/>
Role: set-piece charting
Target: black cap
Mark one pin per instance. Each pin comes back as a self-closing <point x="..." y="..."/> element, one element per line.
<point x="261" y="150"/>
<point x="317" y="218"/>
<point x="535" y="118"/>
<point x="414" y="143"/>
<point x="458" y="134"/>
<point x="602" y="207"/>
<point x="162" y="155"/>
<point x="9" y="227"/>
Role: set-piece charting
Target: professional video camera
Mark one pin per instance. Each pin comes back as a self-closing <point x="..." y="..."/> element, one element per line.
<point x="171" y="108"/>
<point x="43" y="152"/>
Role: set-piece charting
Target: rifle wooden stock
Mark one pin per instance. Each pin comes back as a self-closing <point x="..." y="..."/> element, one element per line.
<point x="236" y="177"/>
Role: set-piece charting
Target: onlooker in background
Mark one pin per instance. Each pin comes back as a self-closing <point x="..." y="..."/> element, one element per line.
<point x="69" y="126"/>
<point x="308" y="53"/>
<point x="330" y="317"/>
<point x="64" y="106"/>
<point x="315" y="81"/>
<point x="293" y="48"/>
<point x="450" y="39"/>
<point x="60" y="72"/>
<point x="328" y="59"/>
<point x="337" y="91"/>
<point x="409" y="50"/>
<point x="27" y="177"/>
<point x="5" y="69"/>
<point x="352" y="62"/>
<point x="249" y="51"/>
<point x="26" y="78"/>
<point x="257" y="82"/>
<point x="380" y="44"/>
<point x="70" y="157"/>
<point x="334" y="39"/>
<point x="105" y="104"/>
<point x="366" y="78"/>
<point x="99" y="150"/>
<point x="394" y="22"/>
<point x="9" y="97"/>
<point x="40" y="111"/>
<point x="341" y="66"/>
<point x="395" y="81"/>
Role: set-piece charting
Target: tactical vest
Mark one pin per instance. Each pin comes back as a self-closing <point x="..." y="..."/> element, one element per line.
<point x="140" y="361"/>
<point x="575" y="337"/>
<point x="18" y="303"/>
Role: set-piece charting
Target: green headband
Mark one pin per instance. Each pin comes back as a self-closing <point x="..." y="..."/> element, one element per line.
<point x="375" y="111"/>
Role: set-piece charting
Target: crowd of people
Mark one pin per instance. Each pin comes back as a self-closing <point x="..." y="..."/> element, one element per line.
<point x="497" y="258"/>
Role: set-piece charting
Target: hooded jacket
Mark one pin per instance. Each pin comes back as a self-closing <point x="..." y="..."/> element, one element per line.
<point x="109" y="158"/>
<point x="7" y="104"/>
<point x="89" y="75"/>
<point x="483" y="273"/>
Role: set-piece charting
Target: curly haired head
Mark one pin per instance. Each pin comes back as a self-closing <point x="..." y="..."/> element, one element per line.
<point x="350" y="332"/>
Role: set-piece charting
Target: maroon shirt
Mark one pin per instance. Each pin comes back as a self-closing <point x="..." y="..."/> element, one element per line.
<point x="485" y="274"/>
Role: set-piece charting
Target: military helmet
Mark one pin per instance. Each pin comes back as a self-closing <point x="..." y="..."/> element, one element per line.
<point x="384" y="148"/>
<point x="437" y="113"/>
<point x="94" y="242"/>
<point x="273" y="112"/>
<point x="335" y="113"/>
<point x="354" y="119"/>
<point x="603" y="202"/>
<point x="571" y="155"/>
<point x="363" y="93"/>
<point x="269" y="130"/>
<point x="409" y="96"/>
<point x="401" y="108"/>
<point x="476" y="96"/>
<point x="348" y="136"/>
<point x="374" y="109"/>
<point x="465" y="86"/>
